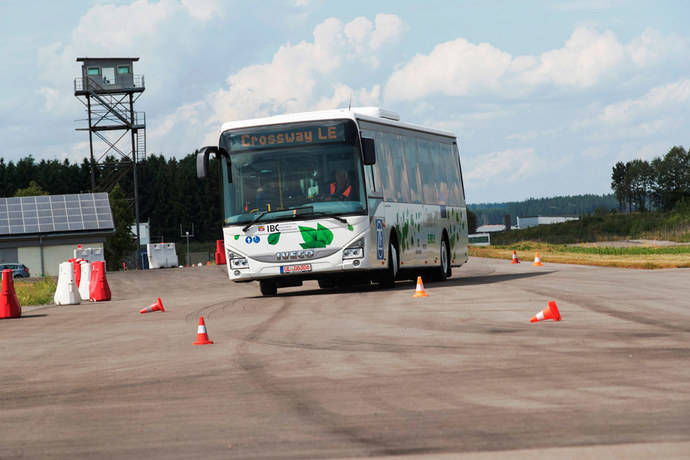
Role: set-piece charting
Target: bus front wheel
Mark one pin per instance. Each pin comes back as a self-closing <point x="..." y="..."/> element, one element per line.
<point x="268" y="288"/>
<point x="444" y="270"/>
<point x="391" y="274"/>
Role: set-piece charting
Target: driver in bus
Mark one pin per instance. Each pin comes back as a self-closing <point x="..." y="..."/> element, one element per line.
<point x="341" y="188"/>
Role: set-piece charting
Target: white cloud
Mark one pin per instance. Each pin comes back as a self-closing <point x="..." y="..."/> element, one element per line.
<point x="652" y="47"/>
<point x="299" y="77"/>
<point x="203" y="10"/>
<point x="297" y="73"/>
<point x="453" y="68"/>
<point x="117" y="27"/>
<point x="587" y="5"/>
<point x="389" y="28"/>
<point x="659" y="99"/>
<point x="366" y="37"/>
<point x="506" y="166"/>
<point x="51" y="97"/>
<point x="188" y="117"/>
<point x="344" y="96"/>
<point x="588" y="58"/>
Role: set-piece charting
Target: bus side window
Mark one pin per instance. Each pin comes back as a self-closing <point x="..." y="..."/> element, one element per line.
<point x="439" y="172"/>
<point x="452" y="169"/>
<point x="385" y="164"/>
<point x="369" y="176"/>
<point x="411" y="188"/>
<point x="456" y="155"/>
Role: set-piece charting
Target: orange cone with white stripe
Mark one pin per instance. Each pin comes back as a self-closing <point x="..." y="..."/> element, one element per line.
<point x="419" y="291"/>
<point x="537" y="261"/>
<point x="201" y="335"/>
<point x="550" y="312"/>
<point x="158" y="306"/>
<point x="515" y="259"/>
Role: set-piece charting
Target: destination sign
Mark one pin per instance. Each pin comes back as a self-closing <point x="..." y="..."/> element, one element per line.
<point x="285" y="137"/>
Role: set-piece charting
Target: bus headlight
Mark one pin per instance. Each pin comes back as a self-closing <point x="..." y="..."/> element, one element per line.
<point x="355" y="250"/>
<point x="237" y="261"/>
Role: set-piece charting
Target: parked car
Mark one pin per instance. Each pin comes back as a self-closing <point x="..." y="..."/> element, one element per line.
<point x="18" y="270"/>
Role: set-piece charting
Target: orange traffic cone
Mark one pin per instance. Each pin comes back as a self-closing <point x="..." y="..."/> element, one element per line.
<point x="158" y="306"/>
<point x="419" y="291"/>
<point x="550" y="312"/>
<point x="515" y="259"/>
<point x="201" y="335"/>
<point x="537" y="261"/>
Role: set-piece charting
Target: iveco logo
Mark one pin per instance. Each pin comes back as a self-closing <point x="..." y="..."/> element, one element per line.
<point x="293" y="255"/>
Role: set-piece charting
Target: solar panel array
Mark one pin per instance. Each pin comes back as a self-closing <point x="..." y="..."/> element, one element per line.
<point x="55" y="213"/>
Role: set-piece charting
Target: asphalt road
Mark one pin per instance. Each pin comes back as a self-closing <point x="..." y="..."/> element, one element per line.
<point x="374" y="373"/>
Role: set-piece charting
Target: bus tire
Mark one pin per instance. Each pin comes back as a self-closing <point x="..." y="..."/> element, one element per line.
<point x="325" y="283"/>
<point x="444" y="271"/>
<point x="388" y="280"/>
<point x="268" y="288"/>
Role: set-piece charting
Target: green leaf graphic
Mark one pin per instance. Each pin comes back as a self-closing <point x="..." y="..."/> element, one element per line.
<point x="308" y="234"/>
<point x="350" y="227"/>
<point x="237" y="237"/>
<point x="273" y="238"/>
<point x="313" y="245"/>
<point x="323" y="234"/>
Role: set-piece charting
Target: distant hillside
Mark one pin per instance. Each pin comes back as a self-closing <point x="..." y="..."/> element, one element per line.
<point x="653" y="225"/>
<point x="577" y="205"/>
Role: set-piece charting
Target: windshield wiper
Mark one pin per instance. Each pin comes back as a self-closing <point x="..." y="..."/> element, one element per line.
<point x="296" y="214"/>
<point x="324" y="214"/>
<point x="256" y="219"/>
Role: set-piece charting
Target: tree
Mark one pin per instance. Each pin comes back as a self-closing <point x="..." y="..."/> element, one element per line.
<point x="122" y="243"/>
<point x="672" y="178"/>
<point x="639" y="177"/>
<point x="32" y="190"/>
<point x="618" y="184"/>
<point x="471" y="222"/>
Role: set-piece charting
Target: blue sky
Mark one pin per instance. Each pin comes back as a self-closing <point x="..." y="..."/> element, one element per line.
<point x="544" y="96"/>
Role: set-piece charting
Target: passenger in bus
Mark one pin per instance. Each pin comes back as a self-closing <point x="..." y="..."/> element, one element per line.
<point x="342" y="188"/>
<point x="267" y="195"/>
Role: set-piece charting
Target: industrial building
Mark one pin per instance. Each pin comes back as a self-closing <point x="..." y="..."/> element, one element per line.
<point x="526" y="222"/>
<point x="42" y="231"/>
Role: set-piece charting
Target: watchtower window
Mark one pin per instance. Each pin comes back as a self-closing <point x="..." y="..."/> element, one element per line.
<point x="122" y="69"/>
<point x="92" y="71"/>
<point x="109" y="75"/>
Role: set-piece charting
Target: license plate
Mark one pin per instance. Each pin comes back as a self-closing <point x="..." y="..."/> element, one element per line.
<point x="295" y="268"/>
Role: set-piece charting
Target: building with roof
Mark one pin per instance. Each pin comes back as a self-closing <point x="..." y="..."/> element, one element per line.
<point x="42" y="231"/>
<point x="491" y="228"/>
<point x="527" y="222"/>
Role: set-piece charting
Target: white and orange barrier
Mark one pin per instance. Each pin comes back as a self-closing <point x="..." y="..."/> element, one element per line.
<point x="9" y="305"/>
<point x="85" y="281"/>
<point x="66" y="292"/>
<point x="161" y="255"/>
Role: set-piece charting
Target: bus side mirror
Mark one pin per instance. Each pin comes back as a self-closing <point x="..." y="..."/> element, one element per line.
<point x="202" y="160"/>
<point x="368" y="151"/>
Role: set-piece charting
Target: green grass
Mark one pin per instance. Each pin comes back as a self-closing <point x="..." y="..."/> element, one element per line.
<point x="624" y="257"/>
<point x="673" y="226"/>
<point x="36" y="292"/>
<point x="623" y="251"/>
<point x="598" y="250"/>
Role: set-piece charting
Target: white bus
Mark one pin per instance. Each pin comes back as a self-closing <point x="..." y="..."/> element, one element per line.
<point x="340" y="196"/>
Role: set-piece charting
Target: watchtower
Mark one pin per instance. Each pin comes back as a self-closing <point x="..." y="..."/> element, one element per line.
<point x="108" y="88"/>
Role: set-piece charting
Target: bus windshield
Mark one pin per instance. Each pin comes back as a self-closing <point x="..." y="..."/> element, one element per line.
<point x="284" y="183"/>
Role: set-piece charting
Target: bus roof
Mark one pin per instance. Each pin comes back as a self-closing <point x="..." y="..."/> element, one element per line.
<point x="371" y="114"/>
